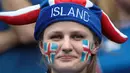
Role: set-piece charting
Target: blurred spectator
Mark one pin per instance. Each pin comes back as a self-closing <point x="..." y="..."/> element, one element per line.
<point x="124" y="12"/>
<point x="24" y="34"/>
<point x="16" y="34"/>
<point x="22" y="54"/>
<point x="114" y="57"/>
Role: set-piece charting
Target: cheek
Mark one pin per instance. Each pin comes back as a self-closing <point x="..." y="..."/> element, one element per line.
<point x="78" y="48"/>
<point x="86" y="52"/>
<point x="50" y="50"/>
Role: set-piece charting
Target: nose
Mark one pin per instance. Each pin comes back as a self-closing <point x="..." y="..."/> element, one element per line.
<point x="66" y="45"/>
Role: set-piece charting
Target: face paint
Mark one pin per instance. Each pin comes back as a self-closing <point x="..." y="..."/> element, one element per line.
<point x="91" y="47"/>
<point x="50" y="50"/>
<point x="86" y="54"/>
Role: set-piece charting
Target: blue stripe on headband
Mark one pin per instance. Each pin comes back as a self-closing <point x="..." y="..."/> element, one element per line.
<point x="67" y="12"/>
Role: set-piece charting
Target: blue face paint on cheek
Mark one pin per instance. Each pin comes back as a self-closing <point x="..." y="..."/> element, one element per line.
<point x="86" y="54"/>
<point x="52" y="57"/>
<point x="54" y="48"/>
<point x="50" y="50"/>
<point x="85" y="42"/>
<point x="45" y="47"/>
<point x="83" y="56"/>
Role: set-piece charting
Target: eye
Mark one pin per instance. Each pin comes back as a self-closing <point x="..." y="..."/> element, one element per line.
<point x="56" y="37"/>
<point x="78" y="37"/>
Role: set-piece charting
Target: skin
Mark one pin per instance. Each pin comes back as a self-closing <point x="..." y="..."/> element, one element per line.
<point x="68" y="35"/>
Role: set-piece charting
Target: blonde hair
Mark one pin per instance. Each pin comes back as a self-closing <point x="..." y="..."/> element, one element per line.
<point x="92" y="66"/>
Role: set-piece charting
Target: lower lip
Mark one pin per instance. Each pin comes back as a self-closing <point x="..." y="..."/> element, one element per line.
<point x="66" y="59"/>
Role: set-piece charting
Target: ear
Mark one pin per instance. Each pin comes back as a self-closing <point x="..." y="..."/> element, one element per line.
<point x="41" y="47"/>
<point x="95" y="47"/>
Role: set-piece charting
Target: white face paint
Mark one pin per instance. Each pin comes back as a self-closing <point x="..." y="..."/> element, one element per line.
<point x="87" y="51"/>
<point x="69" y="36"/>
<point x="50" y="50"/>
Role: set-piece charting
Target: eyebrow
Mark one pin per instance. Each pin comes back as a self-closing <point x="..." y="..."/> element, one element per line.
<point x="75" y="31"/>
<point x="56" y="32"/>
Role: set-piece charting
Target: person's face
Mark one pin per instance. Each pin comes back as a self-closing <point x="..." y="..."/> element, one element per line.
<point x="69" y="36"/>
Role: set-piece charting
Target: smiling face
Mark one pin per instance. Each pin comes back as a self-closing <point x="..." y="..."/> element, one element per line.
<point x="69" y="37"/>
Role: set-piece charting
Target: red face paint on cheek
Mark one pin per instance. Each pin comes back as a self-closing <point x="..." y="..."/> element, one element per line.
<point x="86" y="54"/>
<point x="50" y="50"/>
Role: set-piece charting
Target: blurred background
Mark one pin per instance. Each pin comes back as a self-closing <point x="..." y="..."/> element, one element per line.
<point x="113" y="57"/>
<point x="19" y="52"/>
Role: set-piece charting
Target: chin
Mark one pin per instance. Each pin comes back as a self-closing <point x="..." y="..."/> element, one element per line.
<point x="65" y="68"/>
<point x="68" y="66"/>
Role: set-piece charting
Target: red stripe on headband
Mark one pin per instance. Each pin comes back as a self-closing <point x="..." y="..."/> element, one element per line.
<point x="26" y="18"/>
<point x="83" y="2"/>
<point x="110" y="31"/>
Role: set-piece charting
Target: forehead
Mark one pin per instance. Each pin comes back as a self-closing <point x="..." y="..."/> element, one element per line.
<point x="66" y="26"/>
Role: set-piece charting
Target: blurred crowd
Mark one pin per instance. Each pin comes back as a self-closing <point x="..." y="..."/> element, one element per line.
<point x="16" y="42"/>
